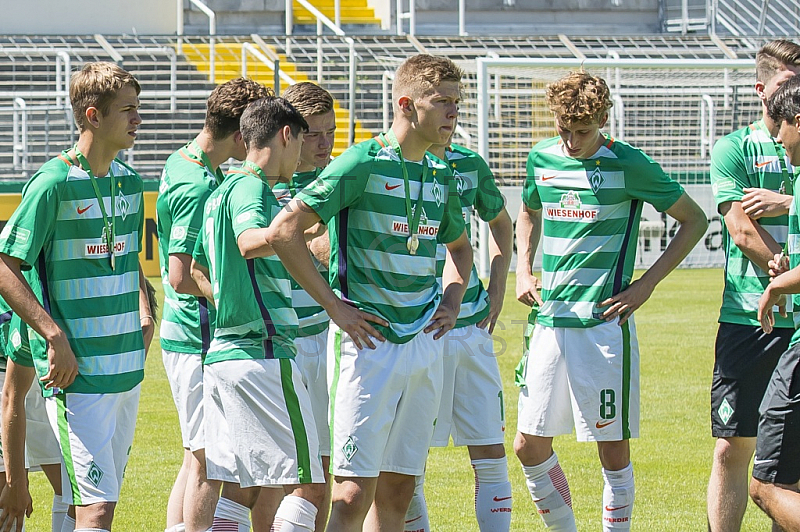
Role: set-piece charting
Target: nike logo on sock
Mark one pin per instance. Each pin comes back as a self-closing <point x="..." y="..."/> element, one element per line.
<point x="609" y="509"/>
<point x="499" y="499"/>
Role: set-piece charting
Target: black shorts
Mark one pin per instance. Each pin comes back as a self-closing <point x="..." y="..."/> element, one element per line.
<point x="744" y="360"/>
<point x="777" y="458"/>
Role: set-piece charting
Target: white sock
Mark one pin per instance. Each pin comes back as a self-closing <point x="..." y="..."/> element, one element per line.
<point x="618" y="495"/>
<point x="231" y="517"/>
<point x="58" y="513"/>
<point x="295" y="514"/>
<point x="69" y="524"/>
<point x="550" y="491"/>
<point x="417" y="514"/>
<point x="492" y="494"/>
<point x="180" y="527"/>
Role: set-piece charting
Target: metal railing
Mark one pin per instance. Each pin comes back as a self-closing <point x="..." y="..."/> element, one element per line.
<point x="273" y="63"/>
<point x="410" y="15"/>
<point x="212" y="32"/>
<point x="20" y="129"/>
<point x="63" y="67"/>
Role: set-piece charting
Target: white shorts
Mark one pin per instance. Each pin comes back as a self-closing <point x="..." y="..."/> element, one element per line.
<point x="185" y="376"/>
<point x="472" y="408"/>
<point x="95" y="432"/>
<point x="383" y="404"/>
<point x="41" y="446"/>
<point x="263" y="429"/>
<point x="312" y="357"/>
<point x="589" y="377"/>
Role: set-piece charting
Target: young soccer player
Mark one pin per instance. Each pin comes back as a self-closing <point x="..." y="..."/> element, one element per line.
<point x="752" y="185"/>
<point x="386" y="204"/>
<point x="316" y="106"/>
<point x="776" y="467"/>
<point x="189" y="177"/>
<point x="79" y="225"/>
<point x="264" y="431"/>
<point x="585" y="191"/>
<point x="471" y="409"/>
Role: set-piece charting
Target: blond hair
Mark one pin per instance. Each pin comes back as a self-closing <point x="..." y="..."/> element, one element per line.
<point x="579" y="98"/>
<point x="421" y="74"/>
<point x="96" y="85"/>
<point x="309" y="98"/>
<point x="773" y="56"/>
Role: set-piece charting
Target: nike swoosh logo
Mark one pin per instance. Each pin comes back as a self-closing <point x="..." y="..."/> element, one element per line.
<point x="546" y="177"/>
<point x="81" y="211"/>
<point x="602" y="425"/>
<point x="391" y="187"/>
<point x="758" y="462"/>
<point x="499" y="499"/>
<point x="609" y="509"/>
<point x="762" y="165"/>
<point x="415" y="519"/>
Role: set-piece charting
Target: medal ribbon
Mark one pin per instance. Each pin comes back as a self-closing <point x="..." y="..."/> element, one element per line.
<point x="194" y="149"/>
<point x="110" y="233"/>
<point x="413" y="214"/>
<point x="781" y="154"/>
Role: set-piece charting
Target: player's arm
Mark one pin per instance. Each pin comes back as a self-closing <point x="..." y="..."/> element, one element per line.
<point x="785" y="283"/>
<point x="455" y="277"/>
<point x="320" y="247"/>
<point x="693" y="225"/>
<point x="286" y="238"/>
<point x="15" y="498"/>
<point x="202" y="278"/>
<point x="63" y="367"/>
<point x="180" y="276"/>
<point x="748" y="235"/>
<point x="529" y="230"/>
<point x="146" y="313"/>
<point x="762" y="202"/>
<point x="501" y="246"/>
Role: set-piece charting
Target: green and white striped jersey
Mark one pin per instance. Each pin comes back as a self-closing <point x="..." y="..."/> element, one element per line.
<point x="312" y="317"/>
<point x="476" y="188"/>
<point x="186" y="183"/>
<point x="748" y="158"/>
<point x="793" y="249"/>
<point x="590" y="215"/>
<point x="361" y="196"/>
<point x="255" y="318"/>
<point x="58" y="229"/>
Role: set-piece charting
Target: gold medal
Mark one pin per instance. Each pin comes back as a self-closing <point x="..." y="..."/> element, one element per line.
<point x="413" y="244"/>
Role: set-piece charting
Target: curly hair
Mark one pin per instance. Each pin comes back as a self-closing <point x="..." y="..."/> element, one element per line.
<point x="785" y="103"/>
<point x="579" y="98"/>
<point x="227" y="103"/>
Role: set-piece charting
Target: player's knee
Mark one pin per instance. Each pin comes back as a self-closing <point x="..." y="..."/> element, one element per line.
<point x="351" y="500"/>
<point x="529" y="451"/>
<point x="313" y="493"/>
<point x="730" y="452"/>
<point x="487" y="452"/>
<point x="759" y="492"/>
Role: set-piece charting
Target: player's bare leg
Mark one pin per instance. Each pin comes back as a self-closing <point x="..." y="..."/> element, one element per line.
<point x="200" y="499"/>
<point x="351" y="499"/>
<point x="325" y="508"/>
<point x="263" y="513"/>
<point x="780" y="502"/>
<point x="95" y="516"/>
<point x="176" y="495"/>
<point x="727" y="486"/>
<point x="546" y="481"/>
<point x="59" y="509"/>
<point x="392" y="497"/>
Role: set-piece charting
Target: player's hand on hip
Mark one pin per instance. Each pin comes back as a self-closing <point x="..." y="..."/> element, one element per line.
<point x="495" y="307"/>
<point x="528" y="288"/>
<point x="625" y="303"/>
<point x="15" y="505"/>
<point x="63" y="366"/>
<point x="443" y="320"/>
<point x="356" y="324"/>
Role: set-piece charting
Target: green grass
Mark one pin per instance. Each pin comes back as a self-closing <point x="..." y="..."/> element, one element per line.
<point x="672" y="458"/>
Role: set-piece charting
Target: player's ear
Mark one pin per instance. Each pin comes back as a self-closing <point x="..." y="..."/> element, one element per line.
<point x="760" y="86"/>
<point x="797" y="122"/>
<point x="603" y="121"/>
<point x="406" y="104"/>
<point x="93" y="116"/>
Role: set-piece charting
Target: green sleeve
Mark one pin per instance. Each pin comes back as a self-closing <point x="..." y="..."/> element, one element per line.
<point x="728" y="171"/>
<point x="32" y="223"/>
<point x="530" y="195"/>
<point x="199" y="251"/>
<point x="341" y="184"/>
<point x="246" y="204"/>
<point x="489" y="202"/>
<point x="452" y="225"/>
<point x="645" y="180"/>
<point x="186" y="204"/>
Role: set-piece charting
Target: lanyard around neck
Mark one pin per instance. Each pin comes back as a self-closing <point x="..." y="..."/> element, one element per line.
<point x="253" y="169"/>
<point x="414" y="213"/>
<point x="194" y="149"/>
<point x="109" y="225"/>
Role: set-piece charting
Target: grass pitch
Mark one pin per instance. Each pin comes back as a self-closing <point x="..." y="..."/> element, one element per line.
<point x="672" y="458"/>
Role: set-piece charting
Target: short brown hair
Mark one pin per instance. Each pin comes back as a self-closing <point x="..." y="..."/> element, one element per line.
<point x="227" y="103"/>
<point x="773" y="56"/>
<point x="309" y="98"/>
<point x="96" y="85"/>
<point x="579" y="98"/>
<point x="421" y="74"/>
